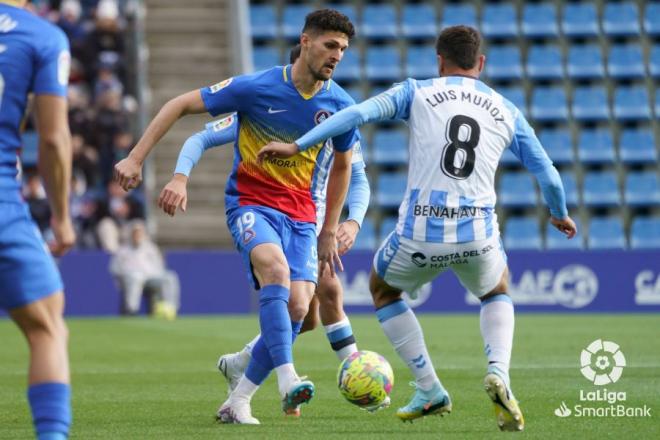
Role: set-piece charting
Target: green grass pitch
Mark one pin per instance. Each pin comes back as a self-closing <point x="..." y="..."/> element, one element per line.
<point x="146" y="379"/>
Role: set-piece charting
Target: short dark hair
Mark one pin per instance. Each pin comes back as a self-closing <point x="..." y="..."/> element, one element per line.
<point x="329" y="20"/>
<point x="295" y="53"/>
<point x="459" y="45"/>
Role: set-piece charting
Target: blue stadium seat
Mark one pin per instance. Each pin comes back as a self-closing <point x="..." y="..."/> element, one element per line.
<point x="544" y="62"/>
<point x="499" y="20"/>
<point x="348" y="10"/>
<point x="555" y="240"/>
<point x="422" y="62"/>
<point x="263" y="21"/>
<point x="631" y="103"/>
<point x="391" y="188"/>
<point x="540" y="20"/>
<point x="387" y="225"/>
<point x="606" y="233"/>
<point x="517" y="189"/>
<point x="580" y="20"/>
<point x="293" y="20"/>
<point x="366" y="238"/>
<point x="637" y="146"/>
<point x="626" y="61"/>
<point x="601" y="189"/>
<point x="419" y="21"/>
<point x="596" y="146"/>
<point x="516" y="95"/>
<point x="642" y="189"/>
<point x="621" y="19"/>
<point x="570" y="188"/>
<point x="654" y="61"/>
<point x="356" y="92"/>
<point x="657" y="102"/>
<point x="265" y="57"/>
<point x="522" y="233"/>
<point x="454" y="14"/>
<point x="585" y="61"/>
<point x="390" y="147"/>
<point x="504" y="62"/>
<point x="590" y="104"/>
<point x="29" y="148"/>
<point x="549" y="104"/>
<point x="349" y="68"/>
<point x="645" y="233"/>
<point x="379" y="21"/>
<point x="652" y="18"/>
<point x="383" y="63"/>
<point x="558" y="144"/>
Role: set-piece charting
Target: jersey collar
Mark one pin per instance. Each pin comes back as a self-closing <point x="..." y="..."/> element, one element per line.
<point x="287" y="76"/>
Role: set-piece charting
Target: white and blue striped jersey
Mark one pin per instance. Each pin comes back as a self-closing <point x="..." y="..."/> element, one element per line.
<point x="459" y="128"/>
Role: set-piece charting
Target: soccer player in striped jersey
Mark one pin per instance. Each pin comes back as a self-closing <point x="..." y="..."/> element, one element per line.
<point x="271" y="208"/>
<point x="34" y="58"/>
<point x="329" y="292"/>
<point x="459" y="129"/>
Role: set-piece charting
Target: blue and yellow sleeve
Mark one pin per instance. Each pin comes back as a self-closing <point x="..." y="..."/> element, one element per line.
<point x="231" y="95"/>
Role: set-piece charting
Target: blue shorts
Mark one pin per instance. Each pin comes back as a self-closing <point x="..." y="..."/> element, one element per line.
<point x="254" y="225"/>
<point x="27" y="270"/>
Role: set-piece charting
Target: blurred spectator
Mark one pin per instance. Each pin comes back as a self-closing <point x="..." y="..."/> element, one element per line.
<point x="110" y="120"/>
<point x="138" y="267"/>
<point x="105" y="37"/>
<point x="70" y="22"/>
<point x="116" y="212"/>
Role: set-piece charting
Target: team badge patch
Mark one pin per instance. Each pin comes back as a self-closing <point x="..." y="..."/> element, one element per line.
<point x="215" y="88"/>
<point x="223" y="123"/>
<point x="321" y="116"/>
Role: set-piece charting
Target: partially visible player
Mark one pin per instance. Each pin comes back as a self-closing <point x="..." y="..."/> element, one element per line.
<point x="35" y="59"/>
<point x="271" y="208"/>
<point x="329" y="292"/>
<point x="459" y="129"/>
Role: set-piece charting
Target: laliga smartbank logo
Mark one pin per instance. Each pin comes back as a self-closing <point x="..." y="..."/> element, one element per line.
<point x="602" y="363"/>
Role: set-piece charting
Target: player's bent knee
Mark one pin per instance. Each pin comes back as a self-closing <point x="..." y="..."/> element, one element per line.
<point x="274" y="273"/>
<point x="298" y="311"/>
<point x="381" y="292"/>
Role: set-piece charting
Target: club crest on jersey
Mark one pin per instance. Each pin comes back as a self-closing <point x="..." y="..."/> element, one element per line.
<point x="223" y="123"/>
<point x="321" y="116"/>
<point x="215" y="88"/>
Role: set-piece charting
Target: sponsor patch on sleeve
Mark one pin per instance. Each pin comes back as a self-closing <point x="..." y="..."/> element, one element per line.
<point x="215" y="88"/>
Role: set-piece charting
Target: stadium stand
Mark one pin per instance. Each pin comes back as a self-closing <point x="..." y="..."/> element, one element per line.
<point x="577" y="70"/>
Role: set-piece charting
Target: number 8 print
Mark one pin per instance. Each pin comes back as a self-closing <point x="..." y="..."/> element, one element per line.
<point x="464" y="149"/>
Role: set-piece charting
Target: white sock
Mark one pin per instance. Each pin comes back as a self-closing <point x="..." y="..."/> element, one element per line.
<point x="404" y="332"/>
<point x="497" y="322"/>
<point x="286" y="375"/>
<point x="245" y="389"/>
<point x="340" y="335"/>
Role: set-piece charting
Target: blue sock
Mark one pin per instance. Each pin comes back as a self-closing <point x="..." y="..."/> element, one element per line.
<point x="51" y="410"/>
<point x="260" y="364"/>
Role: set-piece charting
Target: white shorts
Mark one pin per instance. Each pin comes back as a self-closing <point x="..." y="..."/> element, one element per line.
<point x="407" y="264"/>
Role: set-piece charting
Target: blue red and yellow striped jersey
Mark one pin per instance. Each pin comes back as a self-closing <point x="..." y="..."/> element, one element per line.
<point x="270" y="108"/>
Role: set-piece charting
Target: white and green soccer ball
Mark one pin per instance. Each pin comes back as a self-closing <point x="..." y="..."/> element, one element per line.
<point x="365" y="379"/>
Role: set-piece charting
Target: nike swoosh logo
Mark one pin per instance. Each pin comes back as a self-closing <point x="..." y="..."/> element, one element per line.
<point x="272" y="112"/>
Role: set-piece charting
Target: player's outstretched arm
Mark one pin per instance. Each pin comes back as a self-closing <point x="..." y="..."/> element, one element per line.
<point x="128" y="172"/>
<point x="378" y="108"/>
<point x="55" y="157"/>
<point x="358" y="201"/>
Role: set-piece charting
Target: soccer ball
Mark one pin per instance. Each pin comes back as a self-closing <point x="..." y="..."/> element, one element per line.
<point x="365" y="379"/>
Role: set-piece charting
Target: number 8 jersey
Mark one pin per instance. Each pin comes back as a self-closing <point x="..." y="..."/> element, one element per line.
<point x="459" y="128"/>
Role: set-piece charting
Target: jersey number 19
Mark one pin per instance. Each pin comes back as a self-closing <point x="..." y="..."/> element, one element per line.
<point x="458" y="155"/>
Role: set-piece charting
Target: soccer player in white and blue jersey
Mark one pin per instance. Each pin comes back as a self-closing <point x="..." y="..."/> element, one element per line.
<point x="34" y="58"/>
<point x="459" y="128"/>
